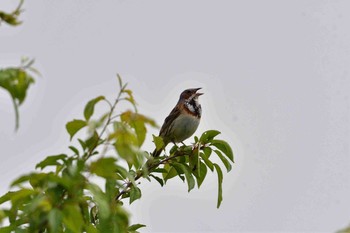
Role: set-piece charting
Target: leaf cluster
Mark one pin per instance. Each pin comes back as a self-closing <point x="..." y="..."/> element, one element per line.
<point x="12" y="18"/>
<point x="191" y="163"/>
<point x="84" y="190"/>
<point x="16" y="81"/>
<point x="345" y="230"/>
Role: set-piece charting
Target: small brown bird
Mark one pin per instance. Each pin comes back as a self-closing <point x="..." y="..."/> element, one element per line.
<point x="183" y="120"/>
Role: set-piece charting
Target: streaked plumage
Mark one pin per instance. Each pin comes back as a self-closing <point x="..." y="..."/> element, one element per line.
<point x="183" y="120"/>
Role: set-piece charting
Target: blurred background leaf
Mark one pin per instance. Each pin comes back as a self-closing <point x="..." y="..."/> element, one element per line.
<point x="16" y="81"/>
<point x="12" y="18"/>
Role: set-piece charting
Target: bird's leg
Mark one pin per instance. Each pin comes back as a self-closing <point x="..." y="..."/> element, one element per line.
<point x="175" y="145"/>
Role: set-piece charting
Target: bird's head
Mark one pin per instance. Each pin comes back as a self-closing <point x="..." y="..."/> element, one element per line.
<point x="190" y="94"/>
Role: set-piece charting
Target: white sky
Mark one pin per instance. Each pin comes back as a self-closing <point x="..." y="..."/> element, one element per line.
<point x="276" y="82"/>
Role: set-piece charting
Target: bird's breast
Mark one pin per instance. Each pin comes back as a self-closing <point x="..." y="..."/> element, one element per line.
<point x="184" y="127"/>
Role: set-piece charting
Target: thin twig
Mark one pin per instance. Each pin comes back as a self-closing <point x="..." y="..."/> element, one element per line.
<point x="109" y="119"/>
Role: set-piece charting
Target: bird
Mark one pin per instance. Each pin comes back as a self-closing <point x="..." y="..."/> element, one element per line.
<point x="182" y="121"/>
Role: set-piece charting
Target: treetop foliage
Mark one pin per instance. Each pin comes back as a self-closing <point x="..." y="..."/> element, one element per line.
<point x="62" y="194"/>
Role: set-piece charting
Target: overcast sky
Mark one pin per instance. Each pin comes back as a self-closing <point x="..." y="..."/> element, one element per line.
<point x="276" y="80"/>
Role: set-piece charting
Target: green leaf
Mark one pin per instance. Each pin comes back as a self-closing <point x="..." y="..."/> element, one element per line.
<point x="12" y="18"/>
<point x="196" y="139"/>
<point x="170" y="174"/>
<point x="220" y="178"/>
<point x="8" y="229"/>
<point x="135" y="227"/>
<point x="74" y="126"/>
<point x="42" y="180"/>
<point x="17" y="196"/>
<point x="202" y="174"/>
<point x="194" y="162"/>
<point x="16" y="81"/>
<point x="159" y="170"/>
<point x="207" y="136"/>
<point x="207" y="151"/>
<point x="135" y="193"/>
<point x="2" y="215"/>
<point x="188" y="175"/>
<point x="37" y="202"/>
<point x="74" y="149"/>
<point x="72" y="218"/>
<point x="55" y="220"/>
<point x="82" y="144"/>
<point x="112" y="188"/>
<point x="21" y="180"/>
<point x="91" y="229"/>
<point x="99" y="197"/>
<point x="224" y="147"/>
<point x="104" y="167"/>
<point x="92" y="142"/>
<point x="158" y="141"/>
<point x="140" y="130"/>
<point x="130" y="97"/>
<point x="138" y="123"/>
<point x="205" y="157"/>
<point x="122" y="172"/>
<point x="21" y="195"/>
<point x="90" y="106"/>
<point x="6" y="197"/>
<point x="159" y="180"/>
<point x="120" y="81"/>
<point x="51" y="161"/>
<point x="126" y="144"/>
<point x="224" y="160"/>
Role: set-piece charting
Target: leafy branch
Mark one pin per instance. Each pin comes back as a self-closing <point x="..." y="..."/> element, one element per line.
<point x="16" y="81"/>
<point x="66" y="196"/>
<point x="12" y="18"/>
<point x="345" y="230"/>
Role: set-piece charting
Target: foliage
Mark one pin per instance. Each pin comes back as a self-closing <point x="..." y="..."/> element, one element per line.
<point x="12" y="18"/>
<point x="345" y="230"/>
<point x="64" y="194"/>
<point x="16" y="80"/>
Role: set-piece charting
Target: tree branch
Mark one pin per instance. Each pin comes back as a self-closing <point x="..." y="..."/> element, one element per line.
<point x="150" y="167"/>
<point x="109" y="119"/>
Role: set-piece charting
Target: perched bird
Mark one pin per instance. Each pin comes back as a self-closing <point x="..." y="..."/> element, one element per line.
<point x="183" y="120"/>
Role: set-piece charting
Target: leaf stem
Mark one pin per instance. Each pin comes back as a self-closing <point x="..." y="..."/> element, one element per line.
<point x="16" y="112"/>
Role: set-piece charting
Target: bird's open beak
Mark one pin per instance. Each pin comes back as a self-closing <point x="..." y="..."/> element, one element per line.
<point x="198" y="94"/>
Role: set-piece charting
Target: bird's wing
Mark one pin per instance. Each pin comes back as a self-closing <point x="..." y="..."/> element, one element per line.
<point x="167" y="125"/>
